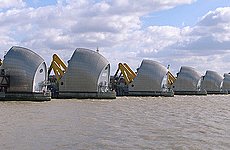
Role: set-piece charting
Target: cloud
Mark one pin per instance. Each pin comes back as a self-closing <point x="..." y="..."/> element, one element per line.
<point x="4" y="4"/>
<point x="203" y="46"/>
<point x="116" y="28"/>
<point x="217" y="17"/>
<point x="85" y="22"/>
<point x="206" y="43"/>
<point x="144" y="7"/>
<point x="212" y="32"/>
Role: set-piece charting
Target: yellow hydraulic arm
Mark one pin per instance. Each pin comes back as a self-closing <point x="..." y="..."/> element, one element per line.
<point x="58" y="66"/>
<point x="171" y="78"/>
<point x="127" y="72"/>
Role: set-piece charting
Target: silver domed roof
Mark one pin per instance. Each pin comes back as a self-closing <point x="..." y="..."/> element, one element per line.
<point x="187" y="79"/>
<point x="149" y="77"/>
<point x="212" y="81"/>
<point x="21" y="65"/>
<point x="226" y="82"/>
<point x="87" y="70"/>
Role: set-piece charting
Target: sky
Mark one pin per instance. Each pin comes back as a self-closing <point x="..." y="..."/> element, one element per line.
<point x="193" y="33"/>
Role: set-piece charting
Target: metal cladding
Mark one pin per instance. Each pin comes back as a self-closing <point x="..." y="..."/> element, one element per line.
<point x="149" y="77"/>
<point x="87" y="71"/>
<point x="212" y="81"/>
<point x="226" y="82"/>
<point x="27" y="70"/>
<point x="188" y="79"/>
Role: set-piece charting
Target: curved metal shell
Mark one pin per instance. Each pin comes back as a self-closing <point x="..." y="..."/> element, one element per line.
<point x="226" y="82"/>
<point x="187" y="80"/>
<point x="212" y="81"/>
<point x="27" y="70"/>
<point x="87" y="71"/>
<point x="149" y="77"/>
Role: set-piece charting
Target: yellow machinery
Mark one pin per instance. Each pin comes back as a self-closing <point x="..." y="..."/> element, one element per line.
<point x="126" y="71"/>
<point x="58" y="66"/>
<point x="170" y="77"/>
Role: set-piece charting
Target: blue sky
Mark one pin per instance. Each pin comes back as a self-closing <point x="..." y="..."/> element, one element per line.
<point x="40" y="3"/>
<point x="192" y="33"/>
<point x="183" y="15"/>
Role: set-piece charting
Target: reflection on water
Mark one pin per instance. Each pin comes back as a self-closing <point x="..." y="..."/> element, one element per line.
<point x="181" y="122"/>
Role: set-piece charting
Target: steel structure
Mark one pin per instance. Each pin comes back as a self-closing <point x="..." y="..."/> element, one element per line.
<point x="26" y="69"/>
<point x="188" y="79"/>
<point x="149" y="77"/>
<point x="212" y="82"/>
<point x="226" y="82"/>
<point x="87" y="72"/>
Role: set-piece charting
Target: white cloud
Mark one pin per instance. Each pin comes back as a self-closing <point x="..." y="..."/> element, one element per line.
<point x="11" y="3"/>
<point x="116" y="27"/>
<point x="203" y="46"/>
<point x="144" y="7"/>
<point x="217" y="17"/>
<point x="212" y="32"/>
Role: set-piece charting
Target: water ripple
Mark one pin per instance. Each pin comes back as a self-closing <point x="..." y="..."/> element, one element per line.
<point x="180" y="122"/>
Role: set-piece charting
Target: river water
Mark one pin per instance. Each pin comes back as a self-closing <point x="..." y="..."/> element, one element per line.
<point x="129" y="123"/>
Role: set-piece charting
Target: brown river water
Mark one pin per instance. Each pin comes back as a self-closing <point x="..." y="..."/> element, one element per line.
<point x="126" y="123"/>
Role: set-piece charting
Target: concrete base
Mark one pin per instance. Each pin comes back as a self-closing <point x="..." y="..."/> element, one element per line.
<point x="151" y="93"/>
<point x="217" y="92"/>
<point x="25" y="96"/>
<point x="190" y="93"/>
<point x="87" y="95"/>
